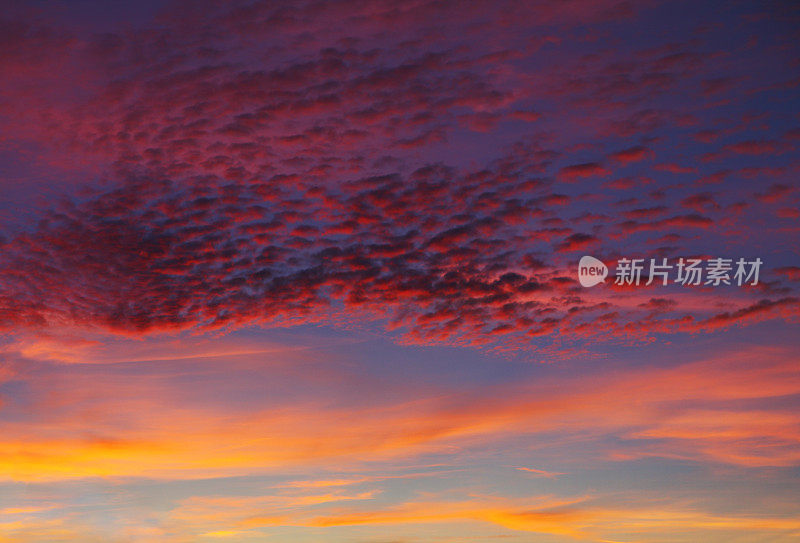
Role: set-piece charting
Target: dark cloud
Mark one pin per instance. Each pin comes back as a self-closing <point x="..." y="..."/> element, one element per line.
<point x="281" y="164"/>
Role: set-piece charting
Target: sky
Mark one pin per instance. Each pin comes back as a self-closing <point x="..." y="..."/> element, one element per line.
<point x="304" y="271"/>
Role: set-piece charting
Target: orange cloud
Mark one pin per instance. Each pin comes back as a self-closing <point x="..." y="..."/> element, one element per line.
<point x="579" y="518"/>
<point x="146" y="424"/>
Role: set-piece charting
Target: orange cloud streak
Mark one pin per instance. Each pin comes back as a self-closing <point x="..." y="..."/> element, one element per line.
<point x="140" y="426"/>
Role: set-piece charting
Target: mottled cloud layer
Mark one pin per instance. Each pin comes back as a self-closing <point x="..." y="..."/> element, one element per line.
<point x="299" y="164"/>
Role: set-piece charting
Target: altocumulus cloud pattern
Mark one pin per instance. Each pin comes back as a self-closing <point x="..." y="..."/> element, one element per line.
<point x="342" y="238"/>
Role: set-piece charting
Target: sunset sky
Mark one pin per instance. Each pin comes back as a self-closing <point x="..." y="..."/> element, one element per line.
<point x="307" y="271"/>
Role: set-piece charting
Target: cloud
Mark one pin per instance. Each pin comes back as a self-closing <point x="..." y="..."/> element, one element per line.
<point x="581" y="518"/>
<point x="311" y="186"/>
<point x="574" y="172"/>
<point x="424" y="177"/>
<point x="632" y="154"/>
<point x="105" y="422"/>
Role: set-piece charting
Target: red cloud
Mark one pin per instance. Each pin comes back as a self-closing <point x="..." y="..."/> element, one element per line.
<point x="572" y="173"/>
<point x="632" y="154"/>
<point x="281" y="190"/>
